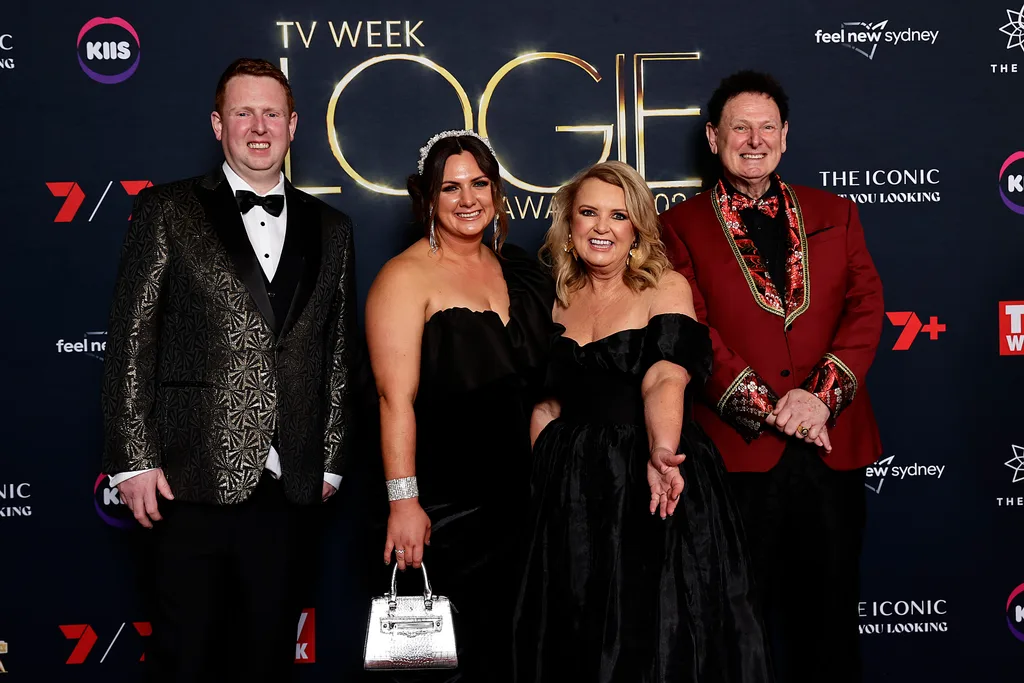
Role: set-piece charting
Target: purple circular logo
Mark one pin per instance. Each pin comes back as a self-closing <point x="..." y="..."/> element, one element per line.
<point x="1012" y="182"/>
<point x="108" y="49"/>
<point x="1015" y="612"/>
<point x="109" y="506"/>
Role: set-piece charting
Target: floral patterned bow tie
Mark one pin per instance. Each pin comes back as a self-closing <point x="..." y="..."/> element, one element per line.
<point x="769" y="206"/>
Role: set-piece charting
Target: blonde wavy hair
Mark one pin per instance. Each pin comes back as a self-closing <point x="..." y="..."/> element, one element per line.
<point x="648" y="262"/>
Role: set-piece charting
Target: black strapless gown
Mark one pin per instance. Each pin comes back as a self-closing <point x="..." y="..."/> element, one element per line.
<point x="479" y="380"/>
<point x="612" y="593"/>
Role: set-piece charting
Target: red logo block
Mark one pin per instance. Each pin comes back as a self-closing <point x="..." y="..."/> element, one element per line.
<point x="912" y="326"/>
<point x="1011" y="334"/>
<point x="305" y="638"/>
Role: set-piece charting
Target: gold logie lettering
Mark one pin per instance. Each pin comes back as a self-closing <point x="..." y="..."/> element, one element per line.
<point x="485" y="101"/>
<point x="641" y="114"/>
<point x="302" y="35"/>
<point x="353" y="38"/>
<point x="370" y="34"/>
<point x="332" y="106"/>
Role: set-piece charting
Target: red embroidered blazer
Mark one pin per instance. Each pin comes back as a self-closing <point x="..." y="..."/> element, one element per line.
<point x="819" y="335"/>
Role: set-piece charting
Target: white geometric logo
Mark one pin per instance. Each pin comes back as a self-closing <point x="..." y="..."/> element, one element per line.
<point x="873" y="32"/>
<point x="879" y="469"/>
<point x="1016" y="463"/>
<point x="1014" y="29"/>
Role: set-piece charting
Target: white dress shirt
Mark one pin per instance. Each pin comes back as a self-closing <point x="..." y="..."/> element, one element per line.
<point x="266" y="235"/>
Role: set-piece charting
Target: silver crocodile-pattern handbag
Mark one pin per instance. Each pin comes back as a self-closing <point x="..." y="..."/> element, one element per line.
<point x="409" y="631"/>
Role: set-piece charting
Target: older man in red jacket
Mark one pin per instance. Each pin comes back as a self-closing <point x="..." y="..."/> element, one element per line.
<point x="782" y="276"/>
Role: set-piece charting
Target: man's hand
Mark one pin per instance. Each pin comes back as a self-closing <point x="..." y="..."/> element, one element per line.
<point x="328" y="491"/>
<point x="139" y="494"/>
<point x="803" y="412"/>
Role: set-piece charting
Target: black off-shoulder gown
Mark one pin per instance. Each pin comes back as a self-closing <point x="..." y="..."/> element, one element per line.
<point x="612" y="593"/>
<point x="479" y="379"/>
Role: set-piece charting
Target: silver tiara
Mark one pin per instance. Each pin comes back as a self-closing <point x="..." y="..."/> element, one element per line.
<point x="425" y="149"/>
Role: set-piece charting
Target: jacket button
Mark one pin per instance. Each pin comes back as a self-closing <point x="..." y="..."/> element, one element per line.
<point x="784" y="373"/>
<point x="789" y="327"/>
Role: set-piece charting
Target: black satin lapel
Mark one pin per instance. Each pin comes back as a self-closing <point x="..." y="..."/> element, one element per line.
<point x="222" y="212"/>
<point x="304" y="228"/>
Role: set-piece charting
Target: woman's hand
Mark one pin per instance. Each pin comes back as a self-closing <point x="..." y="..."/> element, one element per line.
<point x="408" y="533"/>
<point x="665" y="480"/>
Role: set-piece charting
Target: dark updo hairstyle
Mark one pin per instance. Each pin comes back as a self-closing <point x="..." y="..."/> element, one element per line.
<point x="425" y="189"/>
<point x="747" y="82"/>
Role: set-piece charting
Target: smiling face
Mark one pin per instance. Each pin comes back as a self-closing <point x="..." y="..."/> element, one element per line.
<point x="465" y="205"/>
<point x="749" y="141"/>
<point x="255" y="128"/>
<point x="601" y="230"/>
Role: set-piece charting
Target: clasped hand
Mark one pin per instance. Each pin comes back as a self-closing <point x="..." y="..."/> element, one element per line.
<point x="799" y="410"/>
<point x="665" y="480"/>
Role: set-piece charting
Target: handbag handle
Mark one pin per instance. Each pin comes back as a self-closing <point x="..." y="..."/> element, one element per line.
<point x="428" y="593"/>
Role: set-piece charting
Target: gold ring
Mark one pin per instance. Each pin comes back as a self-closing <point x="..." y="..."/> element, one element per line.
<point x="803" y="430"/>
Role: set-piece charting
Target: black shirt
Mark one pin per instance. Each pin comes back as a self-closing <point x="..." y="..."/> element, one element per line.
<point x="768" y="234"/>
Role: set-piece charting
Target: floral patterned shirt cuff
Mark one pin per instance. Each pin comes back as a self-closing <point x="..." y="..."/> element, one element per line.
<point x="834" y="383"/>
<point x="746" y="404"/>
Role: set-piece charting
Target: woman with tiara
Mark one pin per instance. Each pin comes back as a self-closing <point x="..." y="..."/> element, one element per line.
<point x="458" y="328"/>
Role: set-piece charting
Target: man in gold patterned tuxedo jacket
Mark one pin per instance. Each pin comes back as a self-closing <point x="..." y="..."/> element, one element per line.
<point x="227" y="386"/>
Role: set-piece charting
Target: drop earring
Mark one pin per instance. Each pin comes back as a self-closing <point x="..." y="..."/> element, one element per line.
<point x="495" y="231"/>
<point x="433" y="236"/>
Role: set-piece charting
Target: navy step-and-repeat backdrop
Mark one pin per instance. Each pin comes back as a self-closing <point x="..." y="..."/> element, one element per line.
<point x="912" y="109"/>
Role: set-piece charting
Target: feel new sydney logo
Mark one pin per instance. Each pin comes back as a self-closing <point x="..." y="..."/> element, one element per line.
<point x="864" y="37"/>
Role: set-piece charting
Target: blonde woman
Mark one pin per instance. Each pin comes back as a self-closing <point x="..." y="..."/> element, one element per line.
<point x="636" y="570"/>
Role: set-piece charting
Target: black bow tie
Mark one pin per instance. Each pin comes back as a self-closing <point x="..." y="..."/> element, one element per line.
<point x="272" y="203"/>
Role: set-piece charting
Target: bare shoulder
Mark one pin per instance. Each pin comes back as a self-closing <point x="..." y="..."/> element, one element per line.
<point x="672" y="295"/>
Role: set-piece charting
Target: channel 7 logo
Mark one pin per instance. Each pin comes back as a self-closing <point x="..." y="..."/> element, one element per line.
<point x="74" y="197"/>
<point x="912" y="326"/>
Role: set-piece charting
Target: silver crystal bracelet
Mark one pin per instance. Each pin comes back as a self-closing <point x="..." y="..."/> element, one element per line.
<point x="400" y="489"/>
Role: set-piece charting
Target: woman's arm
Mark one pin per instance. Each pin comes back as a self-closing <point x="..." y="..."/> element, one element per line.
<point x="394" y="332"/>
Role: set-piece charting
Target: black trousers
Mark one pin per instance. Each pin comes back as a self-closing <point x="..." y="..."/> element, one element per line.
<point x="804" y="524"/>
<point x="224" y="581"/>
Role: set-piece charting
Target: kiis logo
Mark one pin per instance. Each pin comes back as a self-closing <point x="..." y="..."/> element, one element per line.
<point x="109" y="506"/>
<point x="1015" y="612"/>
<point x="1011" y="334"/>
<point x="1011" y="183"/>
<point x="75" y="196"/>
<point x="111" y="53"/>
<point x="912" y="326"/>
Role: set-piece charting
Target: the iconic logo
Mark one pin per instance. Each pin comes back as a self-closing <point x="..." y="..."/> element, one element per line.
<point x="903" y="616"/>
<point x="885" y="185"/>
<point x="92" y="344"/>
<point x="87" y="638"/>
<point x="75" y="196"/>
<point x="1011" y="331"/>
<point x="863" y="37"/>
<point x="13" y="499"/>
<point x="108" y="49"/>
<point x="1015" y="612"/>
<point x="6" y="63"/>
<point x="1011" y="183"/>
<point x="305" y="638"/>
<point x="1014" y="28"/>
<point x="885" y="469"/>
<point x="912" y="326"/>
<point x="109" y="507"/>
